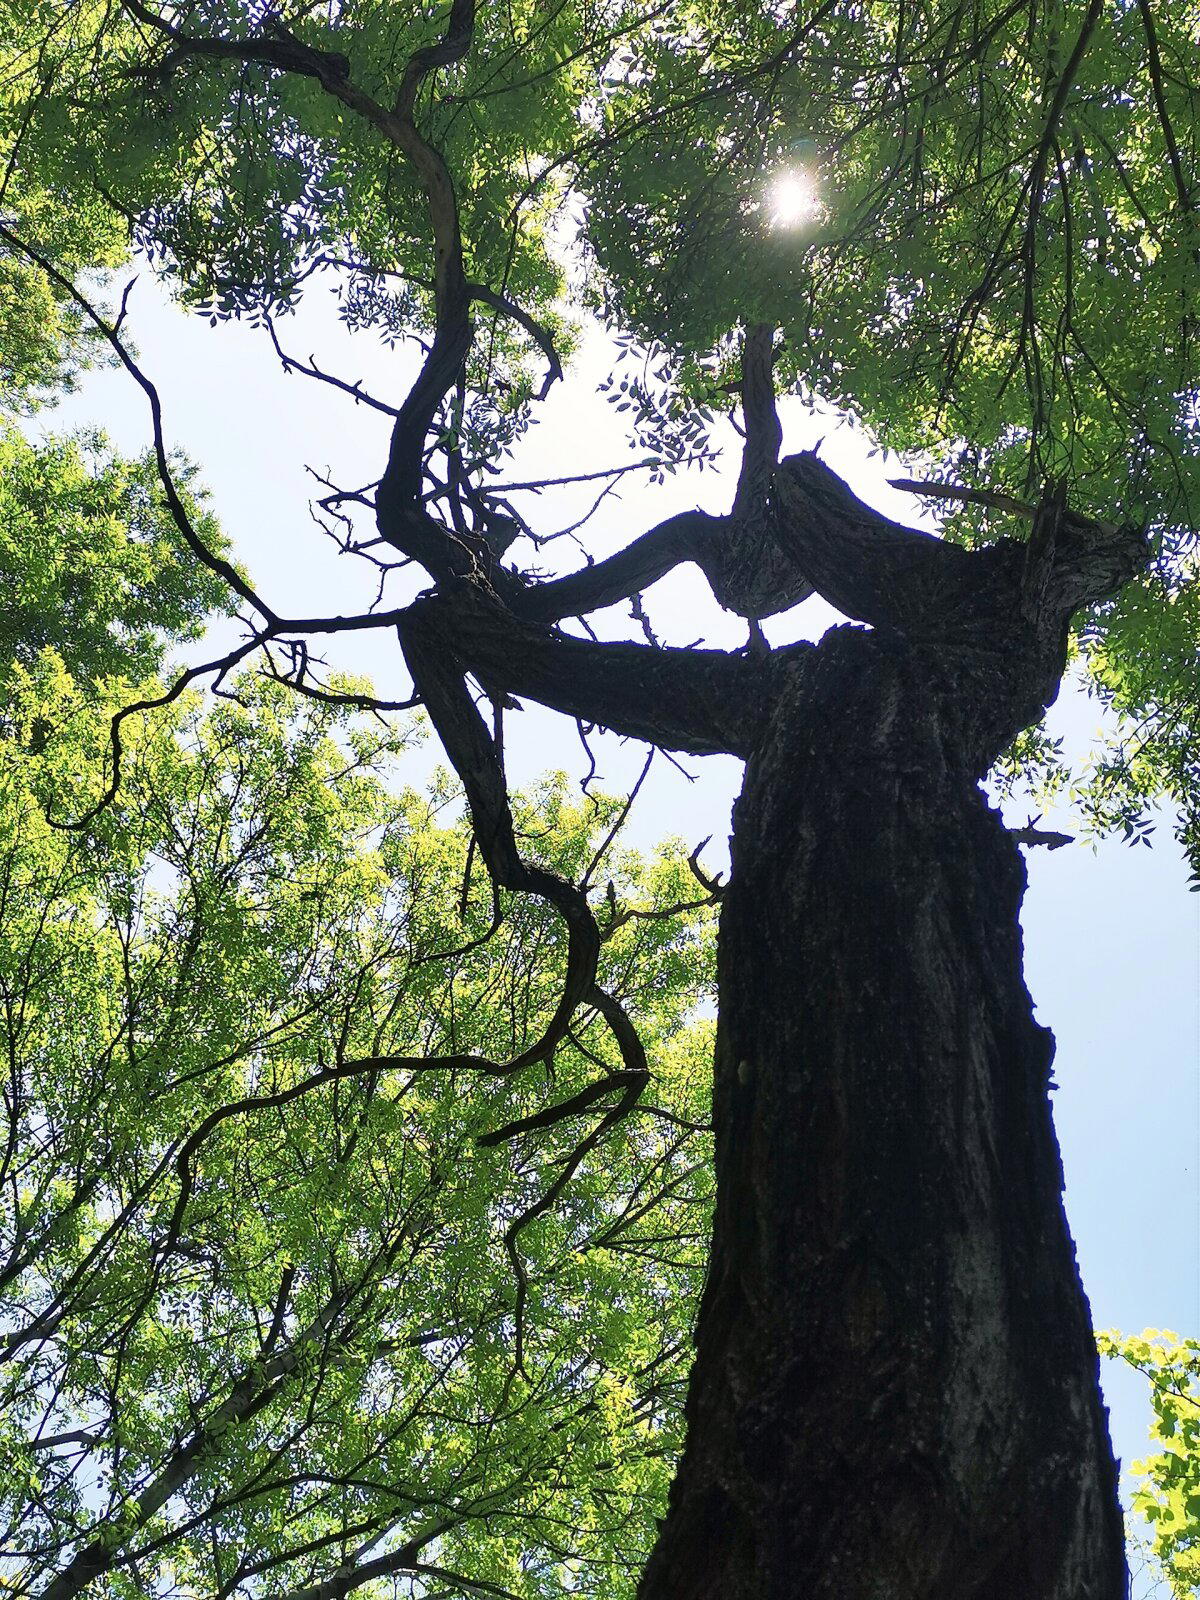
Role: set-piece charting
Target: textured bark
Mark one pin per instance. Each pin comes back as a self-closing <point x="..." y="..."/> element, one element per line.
<point x="895" y="1393"/>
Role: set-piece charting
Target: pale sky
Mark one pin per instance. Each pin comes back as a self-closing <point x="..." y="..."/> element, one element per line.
<point x="1112" y="935"/>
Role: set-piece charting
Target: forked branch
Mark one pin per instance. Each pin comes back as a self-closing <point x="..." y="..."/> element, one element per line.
<point x="703" y="702"/>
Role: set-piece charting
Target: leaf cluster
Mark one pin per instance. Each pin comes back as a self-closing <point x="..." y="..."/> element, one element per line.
<point x="258" y="1309"/>
<point x="90" y="560"/>
<point x="1168" y="1493"/>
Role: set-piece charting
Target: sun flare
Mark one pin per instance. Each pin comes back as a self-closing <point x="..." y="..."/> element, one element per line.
<point x="794" y="200"/>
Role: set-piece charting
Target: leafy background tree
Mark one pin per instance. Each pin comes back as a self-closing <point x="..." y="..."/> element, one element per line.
<point x="1168" y="1495"/>
<point x="258" y="1307"/>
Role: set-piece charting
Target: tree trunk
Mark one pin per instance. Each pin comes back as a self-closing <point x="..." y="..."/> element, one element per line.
<point x="895" y="1393"/>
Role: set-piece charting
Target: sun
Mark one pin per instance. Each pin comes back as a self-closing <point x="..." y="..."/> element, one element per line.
<point x="793" y="200"/>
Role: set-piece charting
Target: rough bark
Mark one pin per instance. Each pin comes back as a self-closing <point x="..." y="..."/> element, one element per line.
<point x="895" y="1392"/>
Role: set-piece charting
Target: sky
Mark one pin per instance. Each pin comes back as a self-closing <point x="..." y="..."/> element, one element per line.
<point x="1112" y="934"/>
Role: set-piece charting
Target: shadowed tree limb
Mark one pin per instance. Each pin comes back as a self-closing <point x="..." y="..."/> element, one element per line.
<point x="400" y="487"/>
<point x="750" y="572"/>
<point x="574" y="1106"/>
<point x="704" y="702"/>
<point x="440" y="682"/>
<point x="897" y="578"/>
<point x="764" y="436"/>
<point x="688" y="536"/>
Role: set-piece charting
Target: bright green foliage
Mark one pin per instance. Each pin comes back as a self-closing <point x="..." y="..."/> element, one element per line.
<point x="91" y="563"/>
<point x="258" y="1308"/>
<point x="34" y="331"/>
<point x="992" y="263"/>
<point x="1168" y="1495"/>
<point x="45" y="339"/>
<point x="1145" y="664"/>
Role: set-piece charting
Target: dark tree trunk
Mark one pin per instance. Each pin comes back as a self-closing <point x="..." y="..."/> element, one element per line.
<point x="895" y="1392"/>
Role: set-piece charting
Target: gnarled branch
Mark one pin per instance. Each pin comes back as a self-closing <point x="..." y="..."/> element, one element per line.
<point x="704" y="702"/>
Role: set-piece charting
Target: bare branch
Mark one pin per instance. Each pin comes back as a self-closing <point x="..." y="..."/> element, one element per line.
<point x="220" y="665"/>
<point x="572" y="1107"/>
<point x="685" y="537"/>
<point x="438" y="678"/>
<point x="1030" y="834"/>
<point x="355" y="390"/>
<point x="704" y="702"/>
<point x="929" y="489"/>
<point x="400" y="487"/>
<point x="763" y="432"/>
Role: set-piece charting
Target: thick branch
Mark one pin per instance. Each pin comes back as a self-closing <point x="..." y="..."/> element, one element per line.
<point x="764" y="436"/>
<point x="704" y="702"/>
<point x="869" y="567"/>
<point x="685" y="537"/>
<point x="537" y="331"/>
<point x="893" y="577"/>
<point x="750" y="571"/>
<point x="572" y="1107"/>
<point x="400" y="488"/>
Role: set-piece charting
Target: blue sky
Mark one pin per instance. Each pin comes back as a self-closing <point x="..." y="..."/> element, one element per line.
<point x="1112" y="935"/>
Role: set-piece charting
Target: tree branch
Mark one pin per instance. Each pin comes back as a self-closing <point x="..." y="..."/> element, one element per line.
<point x="400" y="487"/>
<point x="1182" y="191"/>
<point x="894" y="577"/>
<point x="704" y="702"/>
<point x="764" y="436"/>
<point x="688" y="536"/>
<point x="872" y="569"/>
<point x="750" y="571"/>
<point x="571" y="1107"/>
<point x="438" y="678"/>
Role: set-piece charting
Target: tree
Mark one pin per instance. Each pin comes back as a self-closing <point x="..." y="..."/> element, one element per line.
<point x="262" y="1163"/>
<point x="1169" y="1493"/>
<point x="895" y="1382"/>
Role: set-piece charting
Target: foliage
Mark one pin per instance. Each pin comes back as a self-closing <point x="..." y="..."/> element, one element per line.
<point x="1168" y="1495"/>
<point x="90" y="561"/>
<point x="259" y="1312"/>
<point x="45" y="340"/>
<point x="1145" y="665"/>
<point x="993" y="263"/>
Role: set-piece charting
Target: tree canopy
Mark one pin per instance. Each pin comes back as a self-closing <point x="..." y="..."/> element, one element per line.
<point x="259" y="1238"/>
